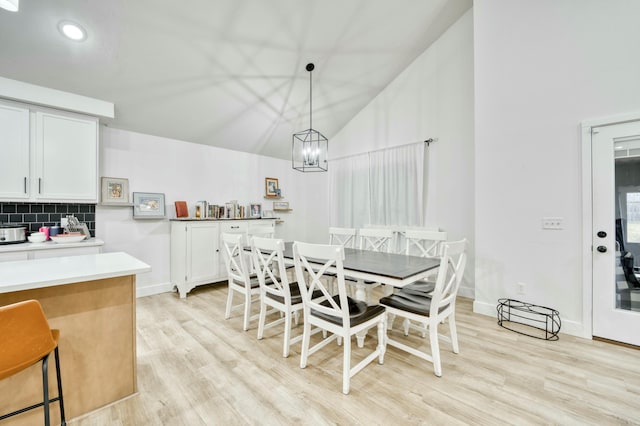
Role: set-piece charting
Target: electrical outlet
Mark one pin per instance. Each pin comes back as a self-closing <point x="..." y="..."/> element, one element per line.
<point x="521" y="288"/>
<point x="553" y="223"/>
<point x="64" y="222"/>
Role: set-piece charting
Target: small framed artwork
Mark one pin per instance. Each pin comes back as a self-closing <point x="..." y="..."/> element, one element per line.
<point x="255" y="210"/>
<point x="267" y="214"/>
<point x="148" y="205"/>
<point x="271" y="187"/>
<point x="280" y="205"/>
<point x="115" y="191"/>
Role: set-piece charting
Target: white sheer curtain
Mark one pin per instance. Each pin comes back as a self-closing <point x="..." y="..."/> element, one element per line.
<point x="349" y="191"/>
<point x="382" y="188"/>
<point x="396" y="178"/>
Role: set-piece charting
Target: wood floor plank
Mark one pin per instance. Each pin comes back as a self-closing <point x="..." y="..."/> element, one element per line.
<point x="195" y="368"/>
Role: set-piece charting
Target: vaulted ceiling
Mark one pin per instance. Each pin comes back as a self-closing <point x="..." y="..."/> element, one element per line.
<point x="226" y="73"/>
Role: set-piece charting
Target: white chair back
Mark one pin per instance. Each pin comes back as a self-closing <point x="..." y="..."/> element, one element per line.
<point x="424" y="243"/>
<point x="310" y="278"/>
<point x="377" y="239"/>
<point x="268" y="264"/>
<point x="235" y="261"/>
<point x="450" y="272"/>
<point x="346" y="237"/>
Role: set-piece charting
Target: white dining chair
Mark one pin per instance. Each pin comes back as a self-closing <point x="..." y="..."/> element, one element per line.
<point x="376" y="239"/>
<point x="276" y="291"/>
<point x="240" y="279"/>
<point x="338" y="314"/>
<point x="432" y="309"/>
<point x="346" y="237"/>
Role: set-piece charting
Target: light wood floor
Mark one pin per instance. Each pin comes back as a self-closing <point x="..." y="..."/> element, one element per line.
<point x="195" y="368"/>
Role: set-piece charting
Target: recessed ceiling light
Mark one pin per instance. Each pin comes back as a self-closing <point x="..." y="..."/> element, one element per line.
<point x="72" y="30"/>
<point x="10" y="5"/>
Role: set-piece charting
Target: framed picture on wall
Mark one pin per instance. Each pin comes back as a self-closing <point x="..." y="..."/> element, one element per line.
<point x="148" y="205"/>
<point x="115" y="191"/>
<point x="271" y="187"/>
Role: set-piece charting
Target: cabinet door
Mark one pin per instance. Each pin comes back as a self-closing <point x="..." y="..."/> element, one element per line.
<point x="66" y="160"/>
<point x="14" y="143"/>
<point x="202" y="252"/>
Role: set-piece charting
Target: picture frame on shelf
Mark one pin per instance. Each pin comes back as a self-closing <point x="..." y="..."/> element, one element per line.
<point x="280" y="205"/>
<point x="255" y="210"/>
<point x="114" y="191"/>
<point x="148" y="205"/>
<point x="271" y="187"/>
<point x="266" y="214"/>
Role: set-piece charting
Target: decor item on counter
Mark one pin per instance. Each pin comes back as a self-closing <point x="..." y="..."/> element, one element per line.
<point x="255" y="210"/>
<point x="37" y="237"/>
<point x="148" y="205"/>
<point x="310" y="148"/>
<point x="280" y="205"/>
<point x="181" y="209"/>
<point x="270" y="187"/>
<point x="44" y="230"/>
<point x="13" y="234"/>
<point x="115" y="191"/>
<point x="72" y="237"/>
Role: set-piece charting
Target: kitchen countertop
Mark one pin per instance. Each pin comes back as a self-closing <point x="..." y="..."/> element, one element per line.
<point x="48" y="245"/>
<point x="39" y="273"/>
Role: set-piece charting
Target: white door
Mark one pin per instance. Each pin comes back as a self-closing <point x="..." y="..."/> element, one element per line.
<point x="616" y="232"/>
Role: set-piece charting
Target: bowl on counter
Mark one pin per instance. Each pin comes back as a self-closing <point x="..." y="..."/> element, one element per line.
<point x="37" y="237"/>
<point x="68" y="238"/>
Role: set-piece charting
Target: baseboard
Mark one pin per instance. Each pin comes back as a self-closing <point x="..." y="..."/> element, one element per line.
<point x="150" y="290"/>
<point x="573" y="328"/>
<point x="468" y="292"/>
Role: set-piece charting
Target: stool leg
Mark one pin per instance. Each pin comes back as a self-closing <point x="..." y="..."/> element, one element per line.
<point x="63" y="421"/>
<point x="45" y="388"/>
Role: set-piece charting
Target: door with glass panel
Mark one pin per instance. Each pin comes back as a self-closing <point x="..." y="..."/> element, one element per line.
<point x="616" y="232"/>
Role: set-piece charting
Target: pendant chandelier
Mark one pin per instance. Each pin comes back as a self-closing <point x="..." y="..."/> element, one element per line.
<point x="309" y="148"/>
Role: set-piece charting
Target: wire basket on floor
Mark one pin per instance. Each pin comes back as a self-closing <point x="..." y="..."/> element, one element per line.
<point x="529" y="319"/>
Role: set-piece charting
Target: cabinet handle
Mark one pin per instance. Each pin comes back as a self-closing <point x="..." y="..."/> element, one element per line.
<point x="25" y="185"/>
<point x="39" y="185"/>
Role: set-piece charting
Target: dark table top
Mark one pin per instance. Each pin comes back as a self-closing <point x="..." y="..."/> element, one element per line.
<point x="396" y="266"/>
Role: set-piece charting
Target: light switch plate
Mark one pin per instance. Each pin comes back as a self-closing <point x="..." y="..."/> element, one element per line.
<point x="553" y="223"/>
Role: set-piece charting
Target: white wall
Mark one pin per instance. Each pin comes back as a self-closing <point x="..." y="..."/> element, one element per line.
<point x="432" y="98"/>
<point x="542" y="67"/>
<point x="192" y="172"/>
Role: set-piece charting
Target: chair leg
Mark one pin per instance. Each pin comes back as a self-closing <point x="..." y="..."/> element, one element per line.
<point x="261" y="321"/>
<point x="247" y="310"/>
<point x="454" y="333"/>
<point x="287" y="334"/>
<point x="382" y="340"/>
<point x="45" y="388"/>
<point x="390" y="319"/>
<point x="435" y="348"/>
<point x="405" y="325"/>
<point x="306" y="337"/>
<point x="346" y="365"/>
<point x="63" y="420"/>
<point x="227" y="313"/>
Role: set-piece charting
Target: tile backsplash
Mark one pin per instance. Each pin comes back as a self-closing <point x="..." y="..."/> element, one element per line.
<point x="35" y="215"/>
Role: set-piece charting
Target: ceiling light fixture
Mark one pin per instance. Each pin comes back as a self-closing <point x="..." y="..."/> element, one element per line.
<point x="310" y="148"/>
<point x="10" y="5"/>
<point x="72" y="30"/>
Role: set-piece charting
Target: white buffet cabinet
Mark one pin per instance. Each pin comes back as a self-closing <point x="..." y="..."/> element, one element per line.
<point x="196" y="250"/>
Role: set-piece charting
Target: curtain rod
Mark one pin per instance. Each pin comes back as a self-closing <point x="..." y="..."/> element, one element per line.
<point x="428" y="142"/>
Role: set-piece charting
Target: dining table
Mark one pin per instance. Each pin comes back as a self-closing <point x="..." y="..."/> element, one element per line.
<point x="367" y="267"/>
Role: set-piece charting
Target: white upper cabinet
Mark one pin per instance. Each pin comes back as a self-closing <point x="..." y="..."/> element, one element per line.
<point x="48" y="155"/>
<point x="14" y="142"/>
<point x="66" y="158"/>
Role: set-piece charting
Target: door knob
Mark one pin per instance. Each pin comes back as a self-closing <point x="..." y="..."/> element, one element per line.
<point x="601" y="234"/>
<point x="602" y="249"/>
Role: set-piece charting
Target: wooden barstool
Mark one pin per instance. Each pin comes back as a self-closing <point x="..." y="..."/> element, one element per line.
<point x="26" y="339"/>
